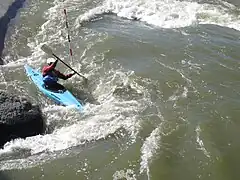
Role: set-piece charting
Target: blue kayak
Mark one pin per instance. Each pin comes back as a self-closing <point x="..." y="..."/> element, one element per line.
<point x="61" y="97"/>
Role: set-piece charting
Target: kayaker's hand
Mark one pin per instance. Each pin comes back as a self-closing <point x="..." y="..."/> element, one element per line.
<point x="70" y="75"/>
<point x="73" y="74"/>
<point x="55" y="63"/>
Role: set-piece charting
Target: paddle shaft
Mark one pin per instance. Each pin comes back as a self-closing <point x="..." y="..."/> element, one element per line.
<point x="68" y="65"/>
<point x="48" y="50"/>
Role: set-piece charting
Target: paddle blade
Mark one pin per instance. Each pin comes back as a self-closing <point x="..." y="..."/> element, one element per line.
<point x="47" y="49"/>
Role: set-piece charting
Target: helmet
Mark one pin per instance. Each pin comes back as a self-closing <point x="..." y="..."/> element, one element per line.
<point x="50" y="60"/>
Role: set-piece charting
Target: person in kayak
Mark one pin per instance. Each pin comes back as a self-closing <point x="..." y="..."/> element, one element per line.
<point x="51" y="75"/>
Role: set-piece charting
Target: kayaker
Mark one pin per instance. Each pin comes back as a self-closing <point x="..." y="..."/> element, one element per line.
<point x="51" y="75"/>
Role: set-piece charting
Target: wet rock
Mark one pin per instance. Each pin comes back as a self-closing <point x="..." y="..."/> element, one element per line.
<point x="18" y="118"/>
<point x="5" y="21"/>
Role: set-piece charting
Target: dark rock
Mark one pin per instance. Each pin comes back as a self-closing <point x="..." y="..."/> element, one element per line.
<point x="5" y="20"/>
<point x="18" y="118"/>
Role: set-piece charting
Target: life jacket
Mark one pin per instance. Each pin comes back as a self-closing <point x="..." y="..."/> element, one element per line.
<point x="50" y="77"/>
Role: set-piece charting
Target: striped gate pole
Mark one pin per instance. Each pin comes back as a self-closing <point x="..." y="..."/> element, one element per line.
<point x="69" y="40"/>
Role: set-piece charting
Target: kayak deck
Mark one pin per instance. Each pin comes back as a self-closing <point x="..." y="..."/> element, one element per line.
<point x="61" y="97"/>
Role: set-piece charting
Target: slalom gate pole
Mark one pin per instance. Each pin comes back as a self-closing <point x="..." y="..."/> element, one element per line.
<point x="69" y="40"/>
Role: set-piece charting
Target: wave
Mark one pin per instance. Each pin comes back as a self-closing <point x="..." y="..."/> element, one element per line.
<point x="168" y="13"/>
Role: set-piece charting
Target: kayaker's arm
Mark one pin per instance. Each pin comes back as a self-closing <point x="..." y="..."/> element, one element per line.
<point x="49" y="68"/>
<point x="53" y="65"/>
<point x="62" y="76"/>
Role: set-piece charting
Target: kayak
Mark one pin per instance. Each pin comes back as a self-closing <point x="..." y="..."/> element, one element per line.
<point x="61" y="97"/>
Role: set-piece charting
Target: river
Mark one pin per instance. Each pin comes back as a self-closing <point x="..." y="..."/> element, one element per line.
<point x="165" y="76"/>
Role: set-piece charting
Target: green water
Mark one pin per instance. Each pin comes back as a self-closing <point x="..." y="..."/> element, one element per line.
<point x="179" y="119"/>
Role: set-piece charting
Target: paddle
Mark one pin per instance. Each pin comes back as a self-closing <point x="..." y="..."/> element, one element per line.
<point x="48" y="50"/>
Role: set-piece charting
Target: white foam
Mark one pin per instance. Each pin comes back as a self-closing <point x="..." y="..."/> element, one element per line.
<point x="103" y="122"/>
<point x="122" y="174"/>
<point x="200" y="142"/>
<point x="149" y="149"/>
<point x="168" y="13"/>
<point x="178" y="94"/>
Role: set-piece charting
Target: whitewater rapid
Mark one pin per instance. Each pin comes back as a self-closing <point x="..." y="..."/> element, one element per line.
<point x="168" y="13"/>
<point x="95" y="56"/>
